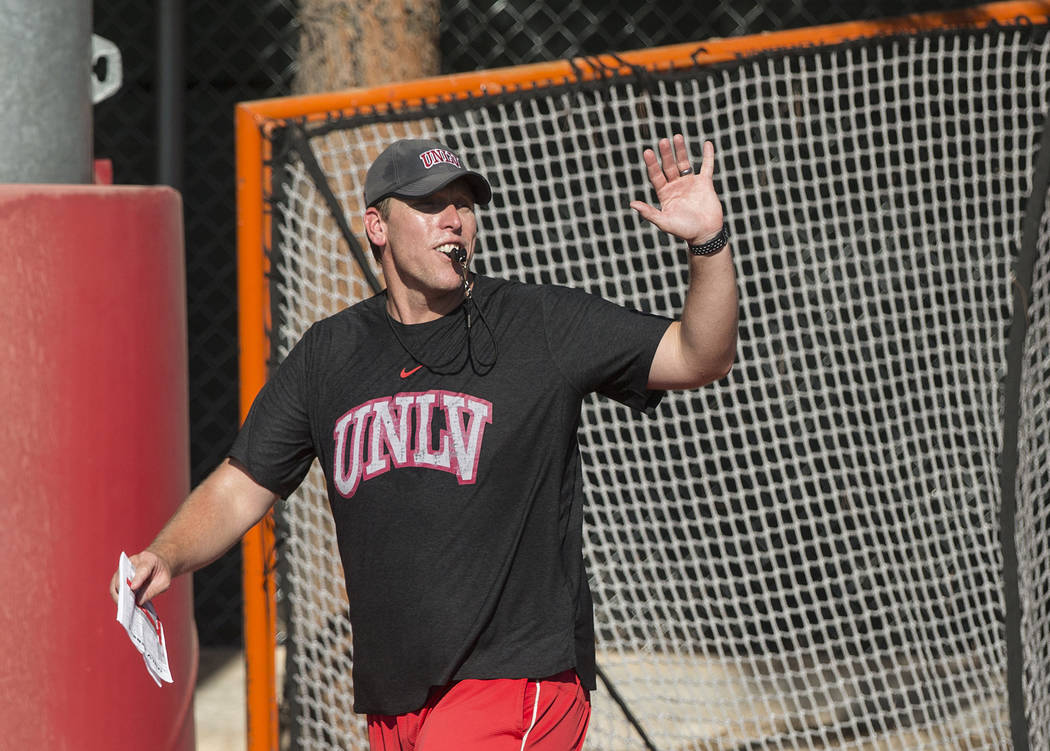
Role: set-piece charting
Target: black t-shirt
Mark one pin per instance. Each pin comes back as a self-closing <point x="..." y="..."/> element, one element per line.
<point x="456" y="487"/>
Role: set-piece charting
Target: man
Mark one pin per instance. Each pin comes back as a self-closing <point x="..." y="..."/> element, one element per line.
<point x="444" y="412"/>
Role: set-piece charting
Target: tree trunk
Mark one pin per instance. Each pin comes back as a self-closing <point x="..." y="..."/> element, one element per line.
<point x="348" y="44"/>
<point x="353" y="43"/>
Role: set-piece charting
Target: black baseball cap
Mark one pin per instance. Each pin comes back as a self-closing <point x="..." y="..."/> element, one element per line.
<point x="412" y="168"/>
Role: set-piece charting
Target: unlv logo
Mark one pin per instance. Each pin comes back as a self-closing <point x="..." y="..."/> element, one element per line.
<point x="432" y="429"/>
<point x="439" y="156"/>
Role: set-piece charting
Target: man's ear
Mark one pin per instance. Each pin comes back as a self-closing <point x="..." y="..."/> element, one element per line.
<point x="375" y="226"/>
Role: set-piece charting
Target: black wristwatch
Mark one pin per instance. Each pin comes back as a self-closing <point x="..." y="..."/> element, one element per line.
<point x="713" y="245"/>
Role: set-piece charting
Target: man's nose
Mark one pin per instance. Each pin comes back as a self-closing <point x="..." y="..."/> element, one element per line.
<point x="449" y="216"/>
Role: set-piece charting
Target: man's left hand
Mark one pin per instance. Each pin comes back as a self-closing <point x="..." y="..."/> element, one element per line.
<point x="689" y="205"/>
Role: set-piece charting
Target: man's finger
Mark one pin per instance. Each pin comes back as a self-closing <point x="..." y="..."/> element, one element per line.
<point x="144" y="596"/>
<point x="707" y="167"/>
<point x="653" y="168"/>
<point x="650" y="214"/>
<point x="644" y="210"/>
<point x="682" y="160"/>
<point x="142" y="573"/>
<point x="157" y="585"/>
<point x="667" y="160"/>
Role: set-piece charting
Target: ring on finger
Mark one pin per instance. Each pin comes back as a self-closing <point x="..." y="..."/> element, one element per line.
<point x="686" y="171"/>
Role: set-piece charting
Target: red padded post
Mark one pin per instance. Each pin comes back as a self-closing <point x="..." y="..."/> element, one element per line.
<point x="94" y="457"/>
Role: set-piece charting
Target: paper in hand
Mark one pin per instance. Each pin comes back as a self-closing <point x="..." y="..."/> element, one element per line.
<point x="143" y="626"/>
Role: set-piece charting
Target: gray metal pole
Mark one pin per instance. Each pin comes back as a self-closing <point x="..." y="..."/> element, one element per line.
<point x="45" y="91"/>
<point x="170" y="91"/>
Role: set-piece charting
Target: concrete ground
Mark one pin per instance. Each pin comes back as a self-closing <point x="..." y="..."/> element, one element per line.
<point x="219" y="708"/>
<point x="218" y="705"/>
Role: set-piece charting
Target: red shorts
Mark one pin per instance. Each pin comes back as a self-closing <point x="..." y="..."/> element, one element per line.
<point x="549" y="714"/>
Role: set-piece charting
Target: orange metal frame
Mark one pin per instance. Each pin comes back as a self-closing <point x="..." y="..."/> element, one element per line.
<point x="255" y="118"/>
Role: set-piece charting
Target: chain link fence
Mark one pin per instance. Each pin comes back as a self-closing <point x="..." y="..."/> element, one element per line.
<point x="238" y="50"/>
<point x="234" y="51"/>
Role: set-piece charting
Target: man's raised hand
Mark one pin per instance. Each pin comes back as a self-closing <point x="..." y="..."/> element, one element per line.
<point x="689" y="207"/>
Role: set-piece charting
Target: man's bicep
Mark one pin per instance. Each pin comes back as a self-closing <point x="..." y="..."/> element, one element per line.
<point x="665" y="370"/>
<point x="675" y="368"/>
<point x="671" y="368"/>
<point x="251" y="499"/>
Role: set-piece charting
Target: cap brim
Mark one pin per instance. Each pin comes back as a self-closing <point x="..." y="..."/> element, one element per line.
<point x="479" y="186"/>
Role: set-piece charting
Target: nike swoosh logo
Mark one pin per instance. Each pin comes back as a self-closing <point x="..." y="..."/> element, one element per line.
<point x="405" y="372"/>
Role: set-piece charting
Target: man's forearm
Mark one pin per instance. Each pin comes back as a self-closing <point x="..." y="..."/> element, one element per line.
<point x="211" y="520"/>
<point x="709" y="316"/>
<point x="700" y="347"/>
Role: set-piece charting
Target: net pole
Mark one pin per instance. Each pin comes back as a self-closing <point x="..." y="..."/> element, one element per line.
<point x="1022" y="280"/>
<point x="257" y="546"/>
